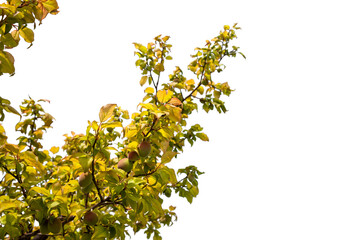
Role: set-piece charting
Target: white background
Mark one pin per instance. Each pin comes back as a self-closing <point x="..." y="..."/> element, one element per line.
<point x="282" y="164"/>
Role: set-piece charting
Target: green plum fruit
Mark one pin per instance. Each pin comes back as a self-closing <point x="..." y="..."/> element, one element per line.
<point x="90" y="218"/>
<point x="85" y="179"/>
<point x="144" y="149"/>
<point x="133" y="156"/>
<point x="125" y="165"/>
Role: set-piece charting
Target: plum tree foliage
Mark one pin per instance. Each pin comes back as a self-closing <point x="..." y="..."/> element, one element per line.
<point x="114" y="177"/>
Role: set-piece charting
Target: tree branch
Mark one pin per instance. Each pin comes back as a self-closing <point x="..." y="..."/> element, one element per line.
<point x="200" y="83"/>
<point x="17" y="178"/>
<point x="93" y="165"/>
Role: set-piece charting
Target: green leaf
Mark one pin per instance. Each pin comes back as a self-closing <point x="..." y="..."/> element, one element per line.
<point x="143" y="80"/>
<point x="85" y="162"/>
<point x="106" y="112"/>
<point x="27" y="34"/>
<point x="9" y="41"/>
<point x="100" y="233"/>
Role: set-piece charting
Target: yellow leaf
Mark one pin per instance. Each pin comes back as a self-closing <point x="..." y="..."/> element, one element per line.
<point x="164" y="95"/>
<point x="165" y="38"/>
<point x="7" y="205"/>
<point x="190" y="82"/>
<point x="40" y="190"/>
<point x="143" y="80"/>
<point x="175" y="114"/>
<point x="149" y="90"/>
<point x="106" y="112"/>
<point x="54" y="150"/>
<point x="149" y="106"/>
<point x="112" y="125"/>
<point x="130" y="132"/>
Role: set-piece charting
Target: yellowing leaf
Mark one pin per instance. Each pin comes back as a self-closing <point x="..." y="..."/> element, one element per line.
<point x="31" y="159"/>
<point x="159" y="67"/>
<point x="27" y="34"/>
<point x="112" y="125"/>
<point x="164" y="95"/>
<point x="7" y="205"/>
<point x="167" y="156"/>
<point x="143" y="80"/>
<point x="12" y="148"/>
<point x="50" y="5"/>
<point x="40" y="190"/>
<point x="217" y="94"/>
<point x="149" y="106"/>
<point x="175" y="114"/>
<point x="6" y="63"/>
<point x="202" y="136"/>
<point x="175" y="102"/>
<point x="130" y="132"/>
<point x="106" y="112"/>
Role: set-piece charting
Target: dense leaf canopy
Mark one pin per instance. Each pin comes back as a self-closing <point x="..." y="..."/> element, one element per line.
<point x="115" y="176"/>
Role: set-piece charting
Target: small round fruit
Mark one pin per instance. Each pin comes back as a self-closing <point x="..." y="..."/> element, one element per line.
<point x="85" y="179"/>
<point x="144" y="149"/>
<point x="90" y="218"/>
<point x="54" y="225"/>
<point x="125" y="164"/>
<point x="133" y="156"/>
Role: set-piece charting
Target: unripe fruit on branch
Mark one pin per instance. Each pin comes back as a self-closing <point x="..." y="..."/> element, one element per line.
<point x="85" y="179"/>
<point x="133" y="156"/>
<point x="54" y="225"/>
<point x="90" y="218"/>
<point x="125" y="165"/>
<point x="144" y="149"/>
